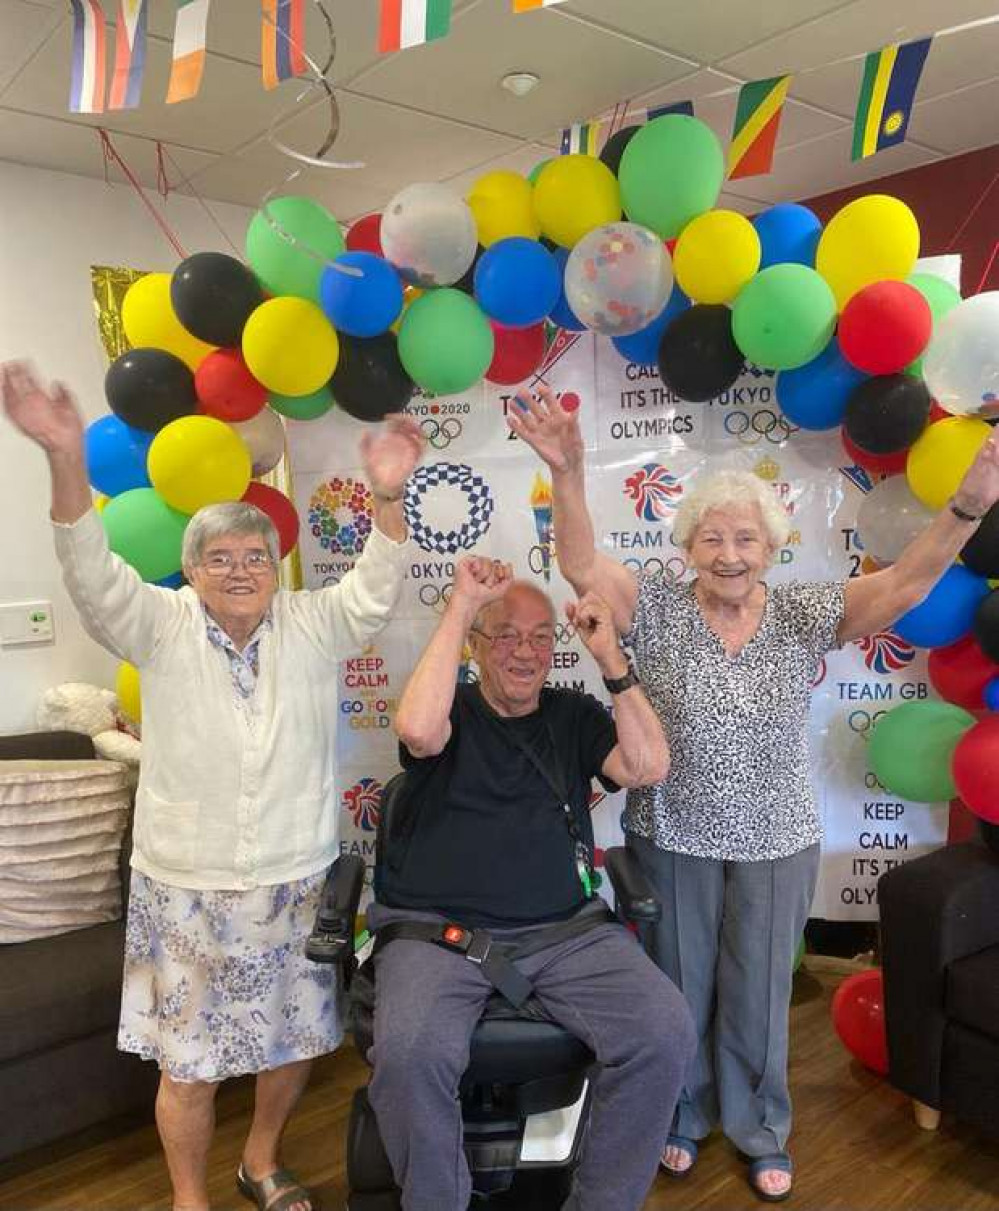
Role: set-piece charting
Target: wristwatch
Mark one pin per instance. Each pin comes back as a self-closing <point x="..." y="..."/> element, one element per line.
<point x="617" y="685"/>
<point x="963" y="514"/>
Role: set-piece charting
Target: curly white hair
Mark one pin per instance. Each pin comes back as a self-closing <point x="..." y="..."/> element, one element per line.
<point x="727" y="489"/>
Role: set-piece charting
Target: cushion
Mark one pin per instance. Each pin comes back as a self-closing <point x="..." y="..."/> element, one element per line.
<point x="61" y="827"/>
<point x="973" y="991"/>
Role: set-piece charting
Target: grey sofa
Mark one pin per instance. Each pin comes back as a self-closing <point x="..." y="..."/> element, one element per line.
<point x="59" y="999"/>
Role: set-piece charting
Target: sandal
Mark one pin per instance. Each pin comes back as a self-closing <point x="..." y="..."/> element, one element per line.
<point x="778" y="1162"/>
<point x="276" y="1192"/>
<point x="685" y="1145"/>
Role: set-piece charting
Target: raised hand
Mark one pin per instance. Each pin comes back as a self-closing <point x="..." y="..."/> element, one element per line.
<point x="594" y="623"/>
<point x="479" y="581"/>
<point x="979" y="489"/>
<point x="551" y="432"/>
<point x="391" y="456"/>
<point x="50" y="418"/>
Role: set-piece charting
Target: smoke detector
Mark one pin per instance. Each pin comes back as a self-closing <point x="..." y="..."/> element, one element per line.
<point x="520" y="83"/>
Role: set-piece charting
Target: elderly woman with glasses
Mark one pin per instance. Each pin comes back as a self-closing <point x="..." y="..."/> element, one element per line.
<point x="731" y="837"/>
<point x="235" y="818"/>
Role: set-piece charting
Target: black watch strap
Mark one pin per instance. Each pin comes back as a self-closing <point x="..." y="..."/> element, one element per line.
<point x="617" y="685"/>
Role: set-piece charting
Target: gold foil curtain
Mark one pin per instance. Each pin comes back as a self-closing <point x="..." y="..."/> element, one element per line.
<point x="110" y="285"/>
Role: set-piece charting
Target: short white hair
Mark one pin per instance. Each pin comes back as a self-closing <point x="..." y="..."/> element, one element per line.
<point x="231" y="517"/>
<point x="726" y="490"/>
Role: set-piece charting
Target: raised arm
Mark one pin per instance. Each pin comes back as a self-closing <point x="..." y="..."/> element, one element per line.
<point x="641" y="756"/>
<point x="875" y="601"/>
<point x="423" y="718"/>
<point x="553" y="434"/>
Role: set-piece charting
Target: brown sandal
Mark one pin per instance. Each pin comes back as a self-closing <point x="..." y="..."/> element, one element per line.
<point x="276" y="1192"/>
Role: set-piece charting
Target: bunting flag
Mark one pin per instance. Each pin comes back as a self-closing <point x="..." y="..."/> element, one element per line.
<point x="86" y="90"/>
<point x="189" y="35"/>
<point x="582" y="138"/>
<point x="527" y="6"/>
<point x="887" y="92"/>
<point x="757" y="120"/>
<point x="678" y="107"/>
<point x="411" y="22"/>
<point x="129" y="55"/>
<point x="282" y="41"/>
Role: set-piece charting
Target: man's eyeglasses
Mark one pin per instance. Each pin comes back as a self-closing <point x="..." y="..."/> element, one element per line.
<point x="508" y="641"/>
<point x="223" y="564"/>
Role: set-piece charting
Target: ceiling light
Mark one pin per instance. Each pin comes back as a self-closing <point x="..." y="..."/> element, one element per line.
<point x="520" y="83"/>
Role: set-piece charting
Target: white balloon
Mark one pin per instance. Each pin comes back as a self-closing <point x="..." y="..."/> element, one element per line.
<point x="429" y="234"/>
<point x="618" y="278"/>
<point x="961" y="365"/>
<point x="889" y="518"/>
<point x="263" y="436"/>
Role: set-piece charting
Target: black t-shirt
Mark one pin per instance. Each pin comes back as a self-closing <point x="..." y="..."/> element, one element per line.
<point x="490" y="844"/>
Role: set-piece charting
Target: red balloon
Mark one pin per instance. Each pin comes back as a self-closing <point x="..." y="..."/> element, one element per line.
<point x="880" y="464"/>
<point x="938" y="413"/>
<point x="975" y="766"/>
<point x="884" y="327"/>
<point x="960" y="672"/>
<point x="366" y="235"/>
<point x="279" y="509"/>
<point x="225" y="387"/>
<point x="858" y="1014"/>
<point x="519" y="352"/>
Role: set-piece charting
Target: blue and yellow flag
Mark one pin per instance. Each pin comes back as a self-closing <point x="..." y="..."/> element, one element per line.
<point x="891" y="77"/>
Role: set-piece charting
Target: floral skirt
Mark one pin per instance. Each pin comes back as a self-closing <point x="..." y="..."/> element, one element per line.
<point x="217" y="984"/>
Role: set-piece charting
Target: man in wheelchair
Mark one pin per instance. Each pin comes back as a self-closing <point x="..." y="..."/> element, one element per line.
<point x="484" y="887"/>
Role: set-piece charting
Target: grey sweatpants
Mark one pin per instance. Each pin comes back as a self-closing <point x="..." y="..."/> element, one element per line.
<point x="600" y="987"/>
<point x="727" y="939"/>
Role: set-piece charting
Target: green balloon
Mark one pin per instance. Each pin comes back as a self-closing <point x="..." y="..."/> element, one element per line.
<point x="535" y="172"/>
<point x="671" y="171"/>
<point x="445" y="342"/>
<point x="784" y="317"/>
<point x="295" y="265"/>
<point x="146" y="533"/>
<point x="941" y="296"/>
<point x="911" y="747"/>
<point x="303" y="407"/>
<point x="799" y="953"/>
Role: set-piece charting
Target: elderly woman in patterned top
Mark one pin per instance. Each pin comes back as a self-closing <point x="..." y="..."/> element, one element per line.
<point x="235" y="819"/>
<point x="731" y="838"/>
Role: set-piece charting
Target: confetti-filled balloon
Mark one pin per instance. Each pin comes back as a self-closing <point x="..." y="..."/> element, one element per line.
<point x="618" y="279"/>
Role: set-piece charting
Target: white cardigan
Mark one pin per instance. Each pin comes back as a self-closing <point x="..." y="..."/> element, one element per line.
<point x="232" y="798"/>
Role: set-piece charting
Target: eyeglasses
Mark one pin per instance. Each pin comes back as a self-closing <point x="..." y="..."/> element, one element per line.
<point x="223" y="564"/>
<point x="508" y="641"/>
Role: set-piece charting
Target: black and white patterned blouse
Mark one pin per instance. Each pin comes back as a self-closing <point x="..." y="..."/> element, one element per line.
<point x="739" y="786"/>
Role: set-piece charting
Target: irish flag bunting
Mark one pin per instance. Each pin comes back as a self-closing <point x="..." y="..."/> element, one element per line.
<point x="757" y="120"/>
<point x="129" y="55"/>
<point x="86" y="90"/>
<point x="525" y="6"/>
<point x="410" y="22"/>
<point x="189" y="35"/>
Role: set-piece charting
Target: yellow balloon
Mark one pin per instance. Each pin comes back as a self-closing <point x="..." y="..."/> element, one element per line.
<point x="100" y="500"/>
<point x="290" y="346"/>
<point x="503" y="205"/>
<point x="150" y="321"/>
<point x="573" y="195"/>
<point x="126" y="685"/>
<point x="409" y="296"/>
<point x="939" y="458"/>
<point x="197" y="461"/>
<point x="716" y="255"/>
<point x="871" y="239"/>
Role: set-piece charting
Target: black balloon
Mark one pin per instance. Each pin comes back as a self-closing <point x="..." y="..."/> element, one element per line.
<point x="981" y="551"/>
<point x="213" y="296"/>
<point x="615" y="145"/>
<point x="698" y="356"/>
<point x="148" y="388"/>
<point x="369" y="381"/>
<point x="986" y="625"/>
<point x="467" y="281"/>
<point x="887" y="413"/>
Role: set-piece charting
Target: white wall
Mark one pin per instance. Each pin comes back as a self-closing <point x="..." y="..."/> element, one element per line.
<point x="53" y="227"/>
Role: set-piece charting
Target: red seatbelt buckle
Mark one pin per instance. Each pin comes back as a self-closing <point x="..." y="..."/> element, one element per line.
<point x="454" y="935"/>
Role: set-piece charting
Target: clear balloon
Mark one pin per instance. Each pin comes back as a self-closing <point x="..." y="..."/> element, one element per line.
<point x="889" y="518"/>
<point x="263" y="436"/>
<point x="429" y="235"/>
<point x="961" y="365"/>
<point x="618" y="279"/>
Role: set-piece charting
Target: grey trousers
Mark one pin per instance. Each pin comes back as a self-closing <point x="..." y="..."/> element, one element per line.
<point x="600" y="987"/>
<point x="727" y="939"/>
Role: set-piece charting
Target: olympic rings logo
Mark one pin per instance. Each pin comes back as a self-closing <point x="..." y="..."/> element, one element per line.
<point x="434" y="597"/>
<point x="539" y="560"/>
<point x="674" y="568"/>
<point x="862" y="722"/>
<point x="441" y="433"/>
<point x="762" y="425"/>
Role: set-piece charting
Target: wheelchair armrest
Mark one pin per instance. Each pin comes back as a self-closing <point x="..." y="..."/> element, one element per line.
<point x="636" y="897"/>
<point x="332" y="938"/>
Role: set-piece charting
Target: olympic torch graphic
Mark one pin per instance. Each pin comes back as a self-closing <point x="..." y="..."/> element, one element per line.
<point x="541" y="503"/>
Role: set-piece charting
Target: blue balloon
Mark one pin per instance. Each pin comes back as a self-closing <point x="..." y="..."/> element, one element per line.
<point x="814" y="396"/>
<point x="116" y="456"/>
<point x="361" y="294"/>
<point x="643" y="347"/>
<point x="176" y="581"/>
<point x="991" y="694"/>
<point x="517" y="282"/>
<point x="788" y="232"/>
<point x="562" y="314"/>
<point x="947" y="614"/>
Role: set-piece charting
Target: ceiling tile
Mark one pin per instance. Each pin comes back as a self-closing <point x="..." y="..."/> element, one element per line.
<point x="959" y="122"/>
<point x="23" y="29"/>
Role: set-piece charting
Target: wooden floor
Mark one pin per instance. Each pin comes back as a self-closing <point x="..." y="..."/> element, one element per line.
<point x="855" y="1145"/>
